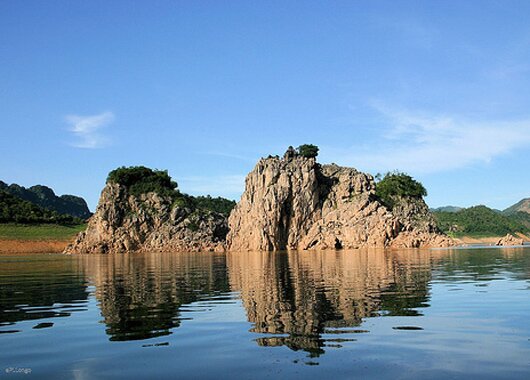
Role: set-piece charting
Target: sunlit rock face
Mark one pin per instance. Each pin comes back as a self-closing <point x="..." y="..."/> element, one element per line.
<point x="509" y="240"/>
<point x="296" y="203"/>
<point x="150" y="222"/>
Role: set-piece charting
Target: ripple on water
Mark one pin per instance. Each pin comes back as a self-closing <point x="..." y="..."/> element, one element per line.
<point x="43" y="325"/>
<point x="310" y="304"/>
<point x="410" y="328"/>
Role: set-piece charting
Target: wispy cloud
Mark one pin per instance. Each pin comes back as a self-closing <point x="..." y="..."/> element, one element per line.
<point x="87" y="129"/>
<point x="420" y="142"/>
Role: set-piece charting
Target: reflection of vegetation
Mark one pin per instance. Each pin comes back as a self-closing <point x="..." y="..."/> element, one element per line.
<point x="395" y="185"/>
<point x="485" y="264"/>
<point x="303" y="301"/>
<point x="482" y="221"/>
<point x="397" y="300"/>
<point x="39" y="288"/>
<point x="312" y="344"/>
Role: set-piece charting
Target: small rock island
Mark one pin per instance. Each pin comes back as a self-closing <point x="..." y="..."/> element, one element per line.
<point x="289" y="203"/>
<point x="141" y="210"/>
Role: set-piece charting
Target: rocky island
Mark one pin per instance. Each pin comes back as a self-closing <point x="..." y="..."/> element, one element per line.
<point x="295" y="203"/>
<point x="289" y="203"/>
<point x="141" y="210"/>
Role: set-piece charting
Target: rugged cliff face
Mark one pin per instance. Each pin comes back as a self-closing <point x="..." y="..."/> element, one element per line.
<point x="295" y="203"/>
<point x="148" y="222"/>
<point x="289" y="203"/>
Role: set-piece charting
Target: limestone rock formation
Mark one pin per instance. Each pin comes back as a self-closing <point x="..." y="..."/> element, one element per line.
<point x="509" y="240"/>
<point x="149" y="222"/>
<point x="296" y="203"/>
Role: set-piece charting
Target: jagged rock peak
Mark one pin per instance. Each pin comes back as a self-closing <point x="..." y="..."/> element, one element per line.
<point x="290" y="153"/>
<point x="296" y="203"/>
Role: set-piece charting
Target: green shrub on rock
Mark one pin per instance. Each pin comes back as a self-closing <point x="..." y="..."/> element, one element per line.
<point x="141" y="180"/>
<point x="395" y="185"/>
<point x="308" y="150"/>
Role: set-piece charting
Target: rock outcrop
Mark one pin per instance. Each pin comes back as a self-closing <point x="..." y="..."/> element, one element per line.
<point x="148" y="222"/>
<point x="296" y="203"/>
<point x="510" y="240"/>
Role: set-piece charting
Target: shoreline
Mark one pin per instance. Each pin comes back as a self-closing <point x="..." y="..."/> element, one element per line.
<point x="32" y="246"/>
<point x="58" y="246"/>
<point x="486" y="240"/>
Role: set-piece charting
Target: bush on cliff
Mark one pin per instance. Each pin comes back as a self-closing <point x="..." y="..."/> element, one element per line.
<point x="308" y="150"/>
<point x="140" y="180"/>
<point x="221" y="205"/>
<point x="395" y="185"/>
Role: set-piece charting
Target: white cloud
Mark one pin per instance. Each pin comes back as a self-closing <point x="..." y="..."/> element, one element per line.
<point x="423" y="143"/>
<point x="87" y="129"/>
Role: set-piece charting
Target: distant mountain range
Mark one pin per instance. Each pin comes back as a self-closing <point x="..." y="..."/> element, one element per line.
<point x="446" y="209"/>
<point x="484" y="221"/>
<point x="44" y="197"/>
<point x="522" y="206"/>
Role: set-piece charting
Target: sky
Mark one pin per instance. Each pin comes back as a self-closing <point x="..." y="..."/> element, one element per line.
<point x="437" y="89"/>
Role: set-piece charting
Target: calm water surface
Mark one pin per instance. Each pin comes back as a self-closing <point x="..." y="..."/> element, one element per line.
<point x="436" y="314"/>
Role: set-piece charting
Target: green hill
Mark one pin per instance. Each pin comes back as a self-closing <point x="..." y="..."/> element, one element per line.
<point x="522" y="206"/>
<point x="219" y="204"/>
<point x="45" y="197"/>
<point x="481" y="221"/>
<point x="140" y="179"/>
<point x="16" y="210"/>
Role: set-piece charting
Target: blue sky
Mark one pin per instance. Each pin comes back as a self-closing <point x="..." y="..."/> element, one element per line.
<point x="439" y="89"/>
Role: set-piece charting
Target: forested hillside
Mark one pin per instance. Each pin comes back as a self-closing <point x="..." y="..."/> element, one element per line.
<point x="482" y="221"/>
<point x="45" y="197"/>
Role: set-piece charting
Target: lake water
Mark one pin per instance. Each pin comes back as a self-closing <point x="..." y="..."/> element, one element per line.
<point x="428" y="314"/>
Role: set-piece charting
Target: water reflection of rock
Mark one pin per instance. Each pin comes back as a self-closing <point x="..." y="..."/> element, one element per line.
<point x="140" y="295"/>
<point x="307" y="294"/>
